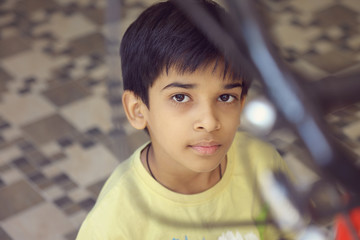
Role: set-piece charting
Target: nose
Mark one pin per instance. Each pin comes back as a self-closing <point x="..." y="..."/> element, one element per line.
<point x="206" y="119"/>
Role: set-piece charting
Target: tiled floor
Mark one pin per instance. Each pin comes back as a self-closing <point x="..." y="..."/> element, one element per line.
<point x="58" y="140"/>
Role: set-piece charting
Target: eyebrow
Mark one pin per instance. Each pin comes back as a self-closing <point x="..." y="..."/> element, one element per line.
<point x="192" y="86"/>
<point x="233" y="85"/>
<point x="179" y="85"/>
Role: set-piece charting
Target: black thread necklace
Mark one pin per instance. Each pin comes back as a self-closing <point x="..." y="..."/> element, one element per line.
<point x="147" y="161"/>
<point x="151" y="173"/>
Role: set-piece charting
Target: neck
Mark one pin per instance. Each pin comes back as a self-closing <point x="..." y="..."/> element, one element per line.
<point x="186" y="182"/>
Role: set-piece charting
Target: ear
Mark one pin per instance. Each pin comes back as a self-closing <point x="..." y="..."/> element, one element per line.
<point x="134" y="109"/>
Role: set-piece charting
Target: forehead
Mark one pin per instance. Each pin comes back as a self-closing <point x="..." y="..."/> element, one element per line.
<point x="214" y="70"/>
<point x="203" y="80"/>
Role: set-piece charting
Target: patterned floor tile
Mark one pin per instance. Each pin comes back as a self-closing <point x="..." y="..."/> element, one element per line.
<point x="295" y="37"/>
<point x="335" y="32"/>
<point x="12" y="176"/>
<point x="337" y="15"/>
<point x="4" y="235"/>
<point x="87" y="204"/>
<point x="136" y="139"/>
<point x="64" y="181"/>
<point x="50" y="149"/>
<point x="67" y="205"/>
<point x="322" y="47"/>
<point x="14" y="45"/>
<point x="96" y="187"/>
<point x="353" y="130"/>
<point x="332" y="61"/>
<point x="43" y="130"/>
<point x="96" y="15"/>
<point x="52" y="193"/>
<point x="34" y="224"/>
<point x="118" y="143"/>
<point x="31" y="63"/>
<point x="66" y="28"/>
<point x="88" y="113"/>
<point x="76" y="219"/>
<point x="93" y="43"/>
<point x="311" y="6"/>
<point x="6" y="18"/>
<point x="65" y="94"/>
<point x="4" y="79"/>
<point x="352" y="4"/>
<point x="78" y="195"/>
<point x="88" y="166"/>
<point x="12" y="134"/>
<point x="354" y="42"/>
<point x="64" y="2"/>
<point x="71" y="235"/>
<point x="308" y="70"/>
<point x="25" y="166"/>
<point x="26" y="6"/>
<point x="16" y="198"/>
<point x="8" y="154"/>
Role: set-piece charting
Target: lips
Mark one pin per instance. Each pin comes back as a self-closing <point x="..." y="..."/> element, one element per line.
<point x="206" y="148"/>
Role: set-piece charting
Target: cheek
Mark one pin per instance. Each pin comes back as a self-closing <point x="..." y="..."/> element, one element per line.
<point x="231" y="118"/>
<point x="167" y="125"/>
<point x="234" y="123"/>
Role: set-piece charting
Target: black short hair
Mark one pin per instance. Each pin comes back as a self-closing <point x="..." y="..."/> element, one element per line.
<point x="163" y="37"/>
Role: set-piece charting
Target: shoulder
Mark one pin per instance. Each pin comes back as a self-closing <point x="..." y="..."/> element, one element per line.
<point x="245" y="142"/>
<point x="117" y="178"/>
<point x="123" y="177"/>
<point x="104" y="218"/>
<point x="99" y="223"/>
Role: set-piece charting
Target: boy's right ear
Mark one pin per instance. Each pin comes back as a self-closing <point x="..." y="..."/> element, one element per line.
<point x="134" y="107"/>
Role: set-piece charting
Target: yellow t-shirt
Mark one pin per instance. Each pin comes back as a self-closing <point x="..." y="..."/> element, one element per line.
<point x="133" y="206"/>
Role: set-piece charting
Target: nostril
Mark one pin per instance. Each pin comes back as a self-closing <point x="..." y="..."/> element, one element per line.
<point x="207" y="126"/>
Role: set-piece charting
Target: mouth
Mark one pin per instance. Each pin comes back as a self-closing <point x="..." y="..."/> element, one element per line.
<point x="205" y="148"/>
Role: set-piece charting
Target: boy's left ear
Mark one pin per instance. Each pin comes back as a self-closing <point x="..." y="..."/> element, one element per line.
<point x="134" y="109"/>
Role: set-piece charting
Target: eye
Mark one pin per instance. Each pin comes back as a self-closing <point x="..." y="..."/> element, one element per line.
<point x="226" y="98"/>
<point x="182" y="98"/>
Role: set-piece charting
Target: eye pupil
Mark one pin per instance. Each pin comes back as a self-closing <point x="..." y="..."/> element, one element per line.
<point x="179" y="97"/>
<point x="224" y="97"/>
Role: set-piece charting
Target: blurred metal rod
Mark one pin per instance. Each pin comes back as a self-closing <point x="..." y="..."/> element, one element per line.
<point x="289" y="97"/>
<point x="293" y="102"/>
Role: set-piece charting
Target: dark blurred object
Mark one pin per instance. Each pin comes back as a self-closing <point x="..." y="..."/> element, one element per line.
<point x="323" y="201"/>
<point x="302" y="104"/>
<point x="294" y="102"/>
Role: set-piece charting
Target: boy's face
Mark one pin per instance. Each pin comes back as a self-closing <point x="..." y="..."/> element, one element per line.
<point x="192" y="118"/>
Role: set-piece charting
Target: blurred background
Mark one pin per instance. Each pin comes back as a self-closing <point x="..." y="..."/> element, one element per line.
<point x="62" y="131"/>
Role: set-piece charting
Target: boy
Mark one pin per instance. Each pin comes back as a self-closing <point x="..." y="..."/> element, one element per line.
<point x="195" y="180"/>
